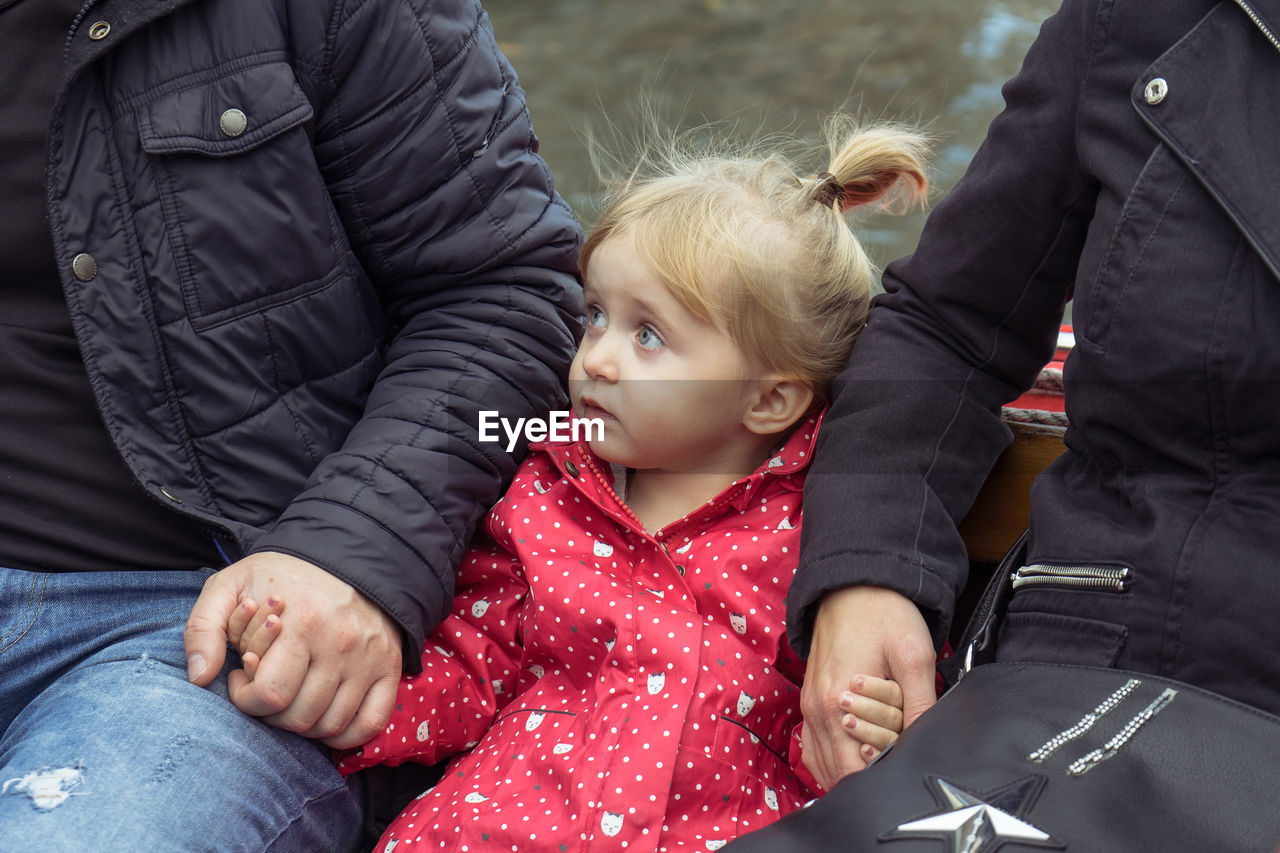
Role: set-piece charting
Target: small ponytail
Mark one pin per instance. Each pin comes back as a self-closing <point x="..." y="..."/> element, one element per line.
<point x="869" y="164"/>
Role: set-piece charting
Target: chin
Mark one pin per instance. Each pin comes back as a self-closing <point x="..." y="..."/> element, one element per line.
<point x="610" y="452"/>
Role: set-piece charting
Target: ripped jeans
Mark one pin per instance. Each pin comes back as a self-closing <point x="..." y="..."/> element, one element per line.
<point x="104" y="745"/>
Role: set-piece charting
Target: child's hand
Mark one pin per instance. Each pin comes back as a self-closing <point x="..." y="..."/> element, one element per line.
<point x="873" y="713"/>
<point x="252" y="629"/>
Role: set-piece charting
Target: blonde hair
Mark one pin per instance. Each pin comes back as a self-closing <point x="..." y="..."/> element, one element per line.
<point x="742" y="241"/>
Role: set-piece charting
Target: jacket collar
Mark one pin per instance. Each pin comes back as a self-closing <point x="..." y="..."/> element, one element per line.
<point x="124" y="17"/>
<point x="594" y="476"/>
<point x="1263" y="18"/>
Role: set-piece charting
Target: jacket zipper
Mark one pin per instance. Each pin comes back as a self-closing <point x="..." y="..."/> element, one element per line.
<point x="1253" y="16"/>
<point x="1098" y="578"/>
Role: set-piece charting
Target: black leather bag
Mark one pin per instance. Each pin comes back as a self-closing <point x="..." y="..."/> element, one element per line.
<point x="1021" y="757"/>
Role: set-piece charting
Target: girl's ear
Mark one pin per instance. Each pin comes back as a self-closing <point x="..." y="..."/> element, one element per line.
<point x="778" y="403"/>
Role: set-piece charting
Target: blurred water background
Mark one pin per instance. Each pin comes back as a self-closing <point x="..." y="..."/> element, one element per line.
<point x="780" y="64"/>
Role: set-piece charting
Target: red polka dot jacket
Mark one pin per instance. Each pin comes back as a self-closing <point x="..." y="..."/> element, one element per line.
<point x="610" y="688"/>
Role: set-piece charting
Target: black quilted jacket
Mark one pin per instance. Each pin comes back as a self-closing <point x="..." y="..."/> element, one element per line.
<point x="303" y="242"/>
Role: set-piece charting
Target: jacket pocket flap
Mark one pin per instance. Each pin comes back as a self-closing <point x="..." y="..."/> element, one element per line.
<point x="225" y="116"/>
<point x="1042" y="637"/>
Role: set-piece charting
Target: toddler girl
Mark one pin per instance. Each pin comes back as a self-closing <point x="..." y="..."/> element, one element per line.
<point x="615" y="672"/>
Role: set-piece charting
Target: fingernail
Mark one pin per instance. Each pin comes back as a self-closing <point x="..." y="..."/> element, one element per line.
<point x="196" y="665"/>
<point x="272" y="601"/>
<point x="859" y="683"/>
<point x="849" y="721"/>
<point x="846" y="701"/>
<point x="868" y="750"/>
<point x="270" y="622"/>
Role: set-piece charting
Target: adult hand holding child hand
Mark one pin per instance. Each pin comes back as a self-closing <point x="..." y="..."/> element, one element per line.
<point x="331" y="676"/>
<point x="860" y="630"/>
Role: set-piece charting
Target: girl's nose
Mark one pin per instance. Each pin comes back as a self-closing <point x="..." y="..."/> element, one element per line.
<point x="599" y="358"/>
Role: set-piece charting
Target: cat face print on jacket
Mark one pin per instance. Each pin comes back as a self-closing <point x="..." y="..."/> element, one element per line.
<point x="657" y="680"/>
<point x="745" y="703"/>
<point x="611" y="823"/>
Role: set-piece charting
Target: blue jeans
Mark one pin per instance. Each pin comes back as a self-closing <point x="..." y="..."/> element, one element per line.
<point x="104" y="745"/>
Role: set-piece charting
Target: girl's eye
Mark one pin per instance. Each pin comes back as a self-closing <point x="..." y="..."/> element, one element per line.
<point x="648" y="338"/>
<point x="595" y="316"/>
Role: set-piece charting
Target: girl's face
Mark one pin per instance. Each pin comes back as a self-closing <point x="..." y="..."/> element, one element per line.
<point x="671" y="388"/>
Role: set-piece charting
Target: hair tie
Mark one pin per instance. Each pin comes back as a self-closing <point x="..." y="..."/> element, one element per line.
<point x="828" y="190"/>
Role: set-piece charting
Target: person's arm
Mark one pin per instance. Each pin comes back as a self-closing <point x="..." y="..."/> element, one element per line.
<point x="429" y="157"/>
<point x="914" y="427"/>
<point x="470" y="669"/>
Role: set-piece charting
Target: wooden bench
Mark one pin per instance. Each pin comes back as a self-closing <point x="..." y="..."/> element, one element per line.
<point x="1003" y="506"/>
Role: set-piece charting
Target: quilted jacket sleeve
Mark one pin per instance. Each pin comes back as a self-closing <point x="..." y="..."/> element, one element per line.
<point x="423" y="137"/>
<point x="469" y="670"/>
<point x="963" y="327"/>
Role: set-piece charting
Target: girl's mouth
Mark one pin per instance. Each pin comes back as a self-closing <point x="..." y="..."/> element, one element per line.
<point x="589" y="410"/>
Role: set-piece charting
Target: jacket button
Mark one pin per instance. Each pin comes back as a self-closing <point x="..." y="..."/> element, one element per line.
<point x="571" y="468"/>
<point x="84" y="266"/>
<point x="233" y="122"/>
<point x="170" y="495"/>
<point x="98" y="30"/>
<point x="1156" y="91"/>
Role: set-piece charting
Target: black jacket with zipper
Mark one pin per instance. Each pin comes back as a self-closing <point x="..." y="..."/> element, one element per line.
<point x="1134" y="169"/>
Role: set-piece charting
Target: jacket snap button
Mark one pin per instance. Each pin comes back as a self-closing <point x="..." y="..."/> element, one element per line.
<point x="170" y="495"/>
<point x="571" y="468"/>
<point x="84" y="266"/>
<point x="1156" y="91"/>
<point x="98" y="30"/>
<point x="233" y="122"/>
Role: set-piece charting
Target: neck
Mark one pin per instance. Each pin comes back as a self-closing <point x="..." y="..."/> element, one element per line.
<point x="658" y="496"/>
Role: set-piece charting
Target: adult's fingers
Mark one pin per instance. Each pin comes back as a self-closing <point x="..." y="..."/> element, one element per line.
<point x="830" y="755"/>
<point x="919" y="691"/>
<point x="839" y="651"/>
<point x="372" y="715"/>
<point x="205" y="635"/>
<point x="314" y="696"/>
<point x="276" y="684"/>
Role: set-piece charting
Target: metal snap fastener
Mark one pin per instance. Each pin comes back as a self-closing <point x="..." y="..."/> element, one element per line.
<point x="170" y="495"/>
<point x="571" y="468"/>
<point x="98" y="30"/>
<point x="233" y="122"/>
<point x="84" y="266"/>
<point x="1156" y="91"/>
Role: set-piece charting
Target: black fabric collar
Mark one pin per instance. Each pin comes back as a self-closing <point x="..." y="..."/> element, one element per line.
<point x="124" y="16"/>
